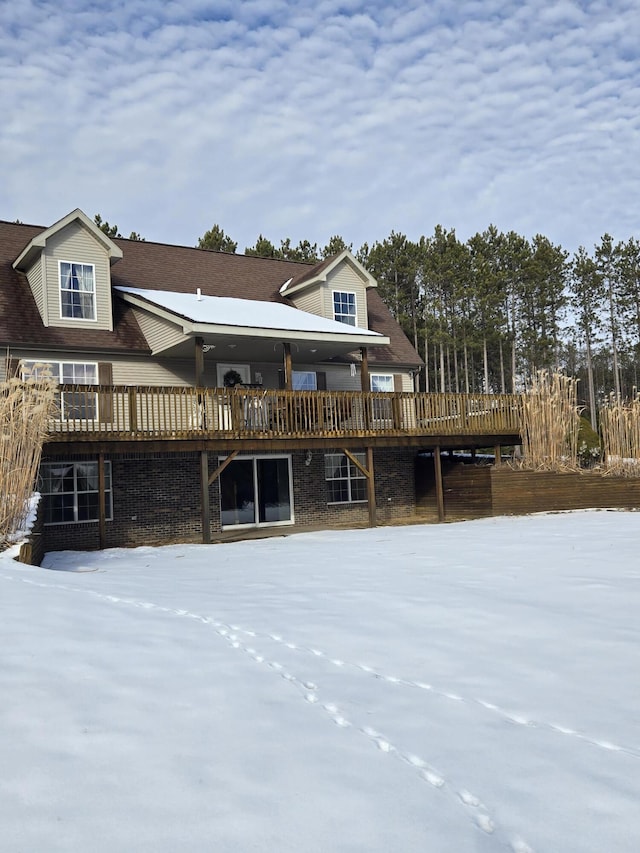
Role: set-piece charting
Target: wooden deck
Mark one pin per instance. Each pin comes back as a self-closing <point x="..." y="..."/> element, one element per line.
<point x="89" y="413"/>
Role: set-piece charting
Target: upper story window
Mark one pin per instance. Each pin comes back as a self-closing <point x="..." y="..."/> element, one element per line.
<point x="77" y="291"/>
<point x="304" y="380"/>
<point x="344" y="307"/>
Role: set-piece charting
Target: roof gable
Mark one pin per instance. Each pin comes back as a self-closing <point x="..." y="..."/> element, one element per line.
<point x="319" y="273"/>
<point x="35" y="246"/>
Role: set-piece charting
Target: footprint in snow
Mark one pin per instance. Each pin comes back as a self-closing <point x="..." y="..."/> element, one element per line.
<point x="433" y="778"/>
<point x="485" y="823"/>
<point x="468" y="798"/>
<point x="606" y="744"/>
<point x="520" y="846"/>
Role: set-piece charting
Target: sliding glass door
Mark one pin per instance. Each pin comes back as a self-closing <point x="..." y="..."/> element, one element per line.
<point x="256" y="491"/>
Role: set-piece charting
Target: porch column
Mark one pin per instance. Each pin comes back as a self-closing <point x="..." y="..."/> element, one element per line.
<point x="365" y="384"/>
<point x="102" y="508"/>
<point x="288" y="377"/>
<point x="437" y="465"/>
<point x="371" y="484"/>
<point x="199" y="353"/>
<point x="371" y="489"/>
<point x="204" y="499"/>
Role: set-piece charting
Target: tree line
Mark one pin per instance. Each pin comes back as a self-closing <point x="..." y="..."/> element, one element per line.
<point x="488" y="313"/>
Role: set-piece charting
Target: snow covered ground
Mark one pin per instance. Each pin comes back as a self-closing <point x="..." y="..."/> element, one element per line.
<point x="453" y="688"/>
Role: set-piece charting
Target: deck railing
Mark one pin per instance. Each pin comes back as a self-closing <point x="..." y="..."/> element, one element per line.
<point x="136" y="412"/>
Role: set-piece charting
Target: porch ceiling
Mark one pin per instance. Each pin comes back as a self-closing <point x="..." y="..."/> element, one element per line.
<point x="257" y="349"/>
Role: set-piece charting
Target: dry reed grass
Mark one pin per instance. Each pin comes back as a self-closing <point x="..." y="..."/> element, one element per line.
<point x="25" y="409"/>
<point x="550" y="423"/>
<point x="620" y="426"/>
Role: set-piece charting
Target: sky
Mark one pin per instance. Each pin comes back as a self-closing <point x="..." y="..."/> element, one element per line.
<point x="459" y="688"/>
<point x="309" y="118"/>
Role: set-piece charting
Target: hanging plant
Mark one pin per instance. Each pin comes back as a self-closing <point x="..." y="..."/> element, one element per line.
<point x="231" y="379"/>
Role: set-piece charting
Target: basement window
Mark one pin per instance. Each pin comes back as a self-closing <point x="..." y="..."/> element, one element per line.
<point x="70" y="492"/>
<point x="345" y="481"/>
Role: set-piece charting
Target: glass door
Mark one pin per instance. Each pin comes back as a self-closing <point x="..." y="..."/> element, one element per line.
<point x="256" y="491"/>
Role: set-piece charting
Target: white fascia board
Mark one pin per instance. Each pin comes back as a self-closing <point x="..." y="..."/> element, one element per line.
<point x="37" y="244"/>
<point x="371" y="339"/>
<point x="321" y="277"/>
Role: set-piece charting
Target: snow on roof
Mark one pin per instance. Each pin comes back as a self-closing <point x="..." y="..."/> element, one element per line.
<point x="251" y="313"/>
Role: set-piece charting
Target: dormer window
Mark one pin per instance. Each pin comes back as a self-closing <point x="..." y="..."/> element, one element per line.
<point x="77" y="291"/>
<point x="344" y="307"/>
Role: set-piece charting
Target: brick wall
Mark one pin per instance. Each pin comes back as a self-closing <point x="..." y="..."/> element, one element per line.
<point x="156" y="499"/>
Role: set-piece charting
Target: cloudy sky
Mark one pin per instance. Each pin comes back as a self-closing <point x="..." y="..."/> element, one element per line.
<point x="307" y="118"/>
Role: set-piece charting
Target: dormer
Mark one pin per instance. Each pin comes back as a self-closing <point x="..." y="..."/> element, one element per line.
<point x="68" y="267"/>
<point x="335" y="289"/>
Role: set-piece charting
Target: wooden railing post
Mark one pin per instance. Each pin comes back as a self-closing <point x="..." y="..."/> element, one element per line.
<point x="396" y="409"/>
<point x="133" y="408"/>
<point x="237" y="414"/>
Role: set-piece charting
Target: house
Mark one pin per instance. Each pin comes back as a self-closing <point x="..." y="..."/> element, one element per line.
<point x="204" y="393"/>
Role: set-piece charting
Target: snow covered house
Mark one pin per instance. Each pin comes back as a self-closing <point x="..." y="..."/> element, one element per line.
<point x="204" y="392"/>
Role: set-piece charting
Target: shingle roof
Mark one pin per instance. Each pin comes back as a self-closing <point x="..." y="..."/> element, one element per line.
<point x="161" y="266"/>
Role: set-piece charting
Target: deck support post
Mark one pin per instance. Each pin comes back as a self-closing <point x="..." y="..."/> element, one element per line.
<point x="369" y="473"/>
<point x="497" y="451"/>
<point x="102" y="507"/>
<point x="437" y="466"/>
<point x="371" y="489"/>
<point x="204" y="497"/>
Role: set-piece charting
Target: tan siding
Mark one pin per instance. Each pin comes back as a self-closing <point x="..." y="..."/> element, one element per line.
<point x="75" y="244"/>
<point x="34" y="277"/>
<point x="339" y="378"/>
<point x="180" y="372"/>
<point x="160" y="334"/>
<point x="345" y="278"/>
<point x="312" y="300"/>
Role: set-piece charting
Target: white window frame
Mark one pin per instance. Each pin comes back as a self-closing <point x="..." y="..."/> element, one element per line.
<point x="373" y="377"/>
<point x="341" y="317"/>
<point x="254" y="523"/>
<point x="62" y="289"/>
<point x="353" y="473"/>
<point x="108" y="491"/>
<point x="304" y="380"/>
<point x="57" y="374"/>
